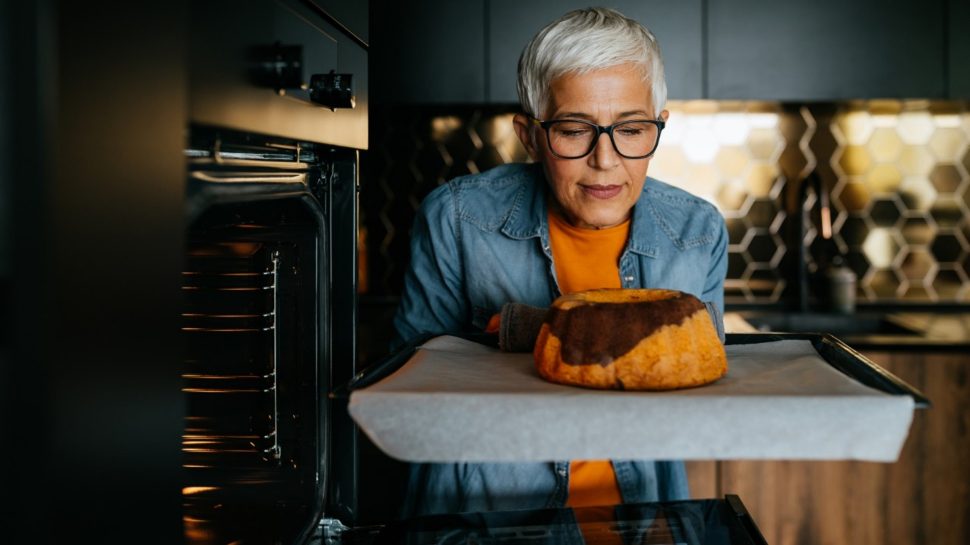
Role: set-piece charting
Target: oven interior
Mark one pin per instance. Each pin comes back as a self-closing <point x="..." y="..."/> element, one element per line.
<point x="256" y="327"/>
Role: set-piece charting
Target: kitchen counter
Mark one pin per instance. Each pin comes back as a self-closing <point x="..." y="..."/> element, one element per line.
<point x="913" y="330"/>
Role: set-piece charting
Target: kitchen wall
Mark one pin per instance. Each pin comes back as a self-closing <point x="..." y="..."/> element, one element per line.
<point x="896" y="172"/>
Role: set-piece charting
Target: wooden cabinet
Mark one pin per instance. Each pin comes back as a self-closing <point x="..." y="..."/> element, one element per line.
<point x="924" y="497"/>
<point x="825" y="50"/>
<point x="677" y="26"/>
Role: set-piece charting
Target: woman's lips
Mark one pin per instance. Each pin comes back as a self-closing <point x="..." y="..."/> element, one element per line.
<point x="601" y="191"/>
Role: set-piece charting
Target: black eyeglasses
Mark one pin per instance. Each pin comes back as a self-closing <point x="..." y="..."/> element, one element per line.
<point x="573" y="138"/>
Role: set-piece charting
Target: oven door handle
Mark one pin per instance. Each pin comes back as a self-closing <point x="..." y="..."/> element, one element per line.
<point x="251" y="178"/>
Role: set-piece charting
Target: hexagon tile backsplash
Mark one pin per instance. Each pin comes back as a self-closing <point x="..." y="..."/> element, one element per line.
<point x="897" y="173"/>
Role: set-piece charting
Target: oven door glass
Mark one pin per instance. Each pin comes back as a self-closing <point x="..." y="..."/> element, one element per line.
<point x="695" y="522"/>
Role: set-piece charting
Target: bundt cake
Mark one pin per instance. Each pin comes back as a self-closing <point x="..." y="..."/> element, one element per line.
<point x="629" y="339"/>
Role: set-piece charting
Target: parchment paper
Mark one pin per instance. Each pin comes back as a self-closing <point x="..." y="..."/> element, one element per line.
<point x="456" y="400"/>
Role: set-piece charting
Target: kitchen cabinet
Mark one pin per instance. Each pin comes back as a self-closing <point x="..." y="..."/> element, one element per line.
<point x="959" y="40"/>
<point x="428" y="52"/>
<point x="677" y="26"/>
<point x="352" y="15"/>
<point x="922" y="498"/>
<point x="437" y="52"/>
<point x="826" y="50"/>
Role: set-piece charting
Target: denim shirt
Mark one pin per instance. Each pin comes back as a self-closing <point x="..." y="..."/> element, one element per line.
<point x="481" y="241"/>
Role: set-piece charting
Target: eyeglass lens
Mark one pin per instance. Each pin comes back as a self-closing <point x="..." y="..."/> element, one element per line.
<point x="572" y="139"/>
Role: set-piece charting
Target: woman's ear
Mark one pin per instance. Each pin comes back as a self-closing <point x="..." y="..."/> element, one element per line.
<point x="525" y="130"/>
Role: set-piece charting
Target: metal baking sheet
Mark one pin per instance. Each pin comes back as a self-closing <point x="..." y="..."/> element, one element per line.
<point x="457" y="400"/>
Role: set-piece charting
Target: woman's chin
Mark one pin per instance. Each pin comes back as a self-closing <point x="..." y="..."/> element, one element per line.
<point x="600" y="221"/>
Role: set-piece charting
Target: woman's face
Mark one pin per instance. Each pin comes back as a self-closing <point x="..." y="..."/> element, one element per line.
<point x="600" y="189"/>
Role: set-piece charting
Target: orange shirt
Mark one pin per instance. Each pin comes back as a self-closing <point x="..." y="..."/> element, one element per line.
<point x="588" y="259"/>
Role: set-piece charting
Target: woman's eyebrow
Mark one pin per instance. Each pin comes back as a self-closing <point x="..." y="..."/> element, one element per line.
<point x="633" y="113"/>
<point x="582" y="115"/>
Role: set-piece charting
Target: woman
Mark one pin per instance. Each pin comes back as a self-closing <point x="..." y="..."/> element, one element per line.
<point x="584" y="215"/>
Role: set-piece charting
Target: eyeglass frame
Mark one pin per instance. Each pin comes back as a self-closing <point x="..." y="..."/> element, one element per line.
<point x="600" y="130"/>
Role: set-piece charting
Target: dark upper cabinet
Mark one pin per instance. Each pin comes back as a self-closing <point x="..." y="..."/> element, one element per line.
<point x="677" y="26"/>
<point x="428" y="52"/>
<point x="440" y="51"/>
<point x="352" y="14"/>
<point x="959" y="38"/>
<point x="826" y="49"/>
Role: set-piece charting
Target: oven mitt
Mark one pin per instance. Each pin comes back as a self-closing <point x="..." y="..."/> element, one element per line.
<point x="519" y="325"/>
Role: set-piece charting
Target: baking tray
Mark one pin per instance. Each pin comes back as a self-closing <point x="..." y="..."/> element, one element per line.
<point x="786" y="396"/>
<point x="844" y="358"/>
<point x="835" y="352"/>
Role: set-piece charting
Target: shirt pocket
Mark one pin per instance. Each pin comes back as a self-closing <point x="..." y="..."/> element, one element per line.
<point x="684" y="226"/>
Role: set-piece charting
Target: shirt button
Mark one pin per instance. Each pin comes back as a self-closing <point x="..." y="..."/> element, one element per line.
<point x="562" y="472"/>
<point x="628" y="279"/>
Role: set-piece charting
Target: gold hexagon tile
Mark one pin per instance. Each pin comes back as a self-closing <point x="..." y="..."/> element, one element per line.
<point x="884" y="179"/>
<point x="915" y="128"/>
<point x="701" y="180"/>
<point x="945" y="115"/>
<point x="854" y="127"/>
<point x="885" y="145"/>
<point x="917" y="193"/>
<point x="731" y="128"/>
<point x="947" y="212"/>
<point x="948" y="283"/>
<point x="764" y="144"/>
<point x="853" y="196"/>
<point x="731" y="161"/>
<point x="916" y="264"/>
<point x="918" y="230"/>
<point x="699" y="143"/>
<point x="880" y="247"/>
<point x="760" y="179"/>
<point x="946" y="178"/>
<point x="915" y="161"/>
<point x="731" y="196"/>
<point x="947" y="144"/>
<point x="882" y="284"/>
<point x="854" y="160"/>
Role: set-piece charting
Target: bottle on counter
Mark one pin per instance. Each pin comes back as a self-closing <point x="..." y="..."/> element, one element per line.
<point x="841" y="287"/>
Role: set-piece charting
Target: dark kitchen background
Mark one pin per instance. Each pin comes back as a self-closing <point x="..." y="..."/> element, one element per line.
<point x="761" y="95"/>
<point x="869" y="97"/>
<point x="872" y="98"/>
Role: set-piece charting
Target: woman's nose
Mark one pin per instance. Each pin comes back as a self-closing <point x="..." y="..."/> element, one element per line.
<point x="604" y="155"/>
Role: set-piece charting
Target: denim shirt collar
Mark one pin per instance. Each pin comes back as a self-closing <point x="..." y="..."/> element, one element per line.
<point x="528" y="216"/>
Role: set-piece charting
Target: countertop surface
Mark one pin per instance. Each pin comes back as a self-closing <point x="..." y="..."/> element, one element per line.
<point x="929" y="331"/>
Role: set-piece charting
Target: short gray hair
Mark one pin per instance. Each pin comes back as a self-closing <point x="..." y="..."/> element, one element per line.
<point x="584" y="40"/>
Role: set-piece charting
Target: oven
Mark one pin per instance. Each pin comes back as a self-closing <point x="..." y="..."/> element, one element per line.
<point x="261" y="287"/>
<point x="179" y="187"/>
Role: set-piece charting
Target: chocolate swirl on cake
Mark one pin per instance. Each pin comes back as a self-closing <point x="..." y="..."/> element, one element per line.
<point x="628" y="323"/>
